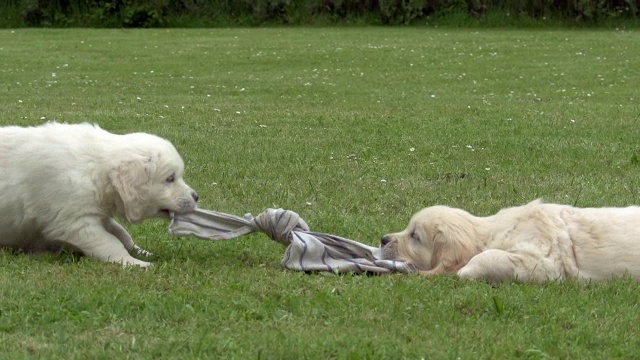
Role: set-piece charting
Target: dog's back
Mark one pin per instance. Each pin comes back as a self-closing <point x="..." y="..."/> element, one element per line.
<point x="42" y="168"/>
<point x="585" y="243"/>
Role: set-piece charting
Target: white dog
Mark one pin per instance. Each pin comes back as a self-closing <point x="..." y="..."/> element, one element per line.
<point x="65" y="183"/>
<point x="531" y="243"/>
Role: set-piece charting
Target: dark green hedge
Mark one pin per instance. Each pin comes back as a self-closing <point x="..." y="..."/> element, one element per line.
<point x="166" y="13"/>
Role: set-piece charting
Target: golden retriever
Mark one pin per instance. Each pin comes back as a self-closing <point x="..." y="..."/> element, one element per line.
<point x="536" y="242"/>
<point x="64" y="183"/>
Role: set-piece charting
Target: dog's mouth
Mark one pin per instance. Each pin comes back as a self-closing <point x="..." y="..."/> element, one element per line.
<point x="167" y="213"/>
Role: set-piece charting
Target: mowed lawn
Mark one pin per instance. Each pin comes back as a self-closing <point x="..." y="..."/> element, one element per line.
<point x="355" y="129"/>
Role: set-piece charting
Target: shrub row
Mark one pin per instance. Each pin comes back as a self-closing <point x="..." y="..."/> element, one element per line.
<point x="161" y="13"/>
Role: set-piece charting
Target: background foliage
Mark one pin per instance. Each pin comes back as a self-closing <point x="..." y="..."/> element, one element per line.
<point x="172" y="13"/>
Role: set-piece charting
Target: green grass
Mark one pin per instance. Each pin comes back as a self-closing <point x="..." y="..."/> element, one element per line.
<point x="355" y="129"/>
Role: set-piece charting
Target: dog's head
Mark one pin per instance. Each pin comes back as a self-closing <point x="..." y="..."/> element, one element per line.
<point x="436" y="236"/>
<point x="148" y="179"/>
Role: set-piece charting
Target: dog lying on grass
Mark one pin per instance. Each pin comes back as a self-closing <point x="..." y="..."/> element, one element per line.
<point x="536" y="242"/>
<point x="64" y="183"/>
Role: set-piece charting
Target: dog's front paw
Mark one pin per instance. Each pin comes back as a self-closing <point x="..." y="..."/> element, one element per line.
<point x="145" y="265"/>
<point x="136" y="263"/>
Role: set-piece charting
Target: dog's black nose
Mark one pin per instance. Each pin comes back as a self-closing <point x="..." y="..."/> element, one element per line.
<point x="385" y="240"/>
<point x="194" y="195"/>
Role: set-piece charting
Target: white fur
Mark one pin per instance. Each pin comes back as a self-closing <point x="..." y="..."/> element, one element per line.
<point x="531" y="243"/>
<point x="65" y="183"/>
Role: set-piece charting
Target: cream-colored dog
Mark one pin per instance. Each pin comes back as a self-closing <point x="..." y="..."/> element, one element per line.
<point x="65" y="183"/>
<point x="531" y="243"/>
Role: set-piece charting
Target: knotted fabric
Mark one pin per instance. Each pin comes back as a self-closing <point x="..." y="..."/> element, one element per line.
<point x="306" y="250"/>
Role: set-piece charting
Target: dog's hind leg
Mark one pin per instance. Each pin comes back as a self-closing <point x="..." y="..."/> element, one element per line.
<point x="121" y="233"/>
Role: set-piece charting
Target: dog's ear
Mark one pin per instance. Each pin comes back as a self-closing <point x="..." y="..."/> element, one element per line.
<point x="131" y="180"/>
<point x="455" y="244"/>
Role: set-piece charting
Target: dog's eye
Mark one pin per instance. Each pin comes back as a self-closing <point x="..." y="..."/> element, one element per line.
<point x="171" y="178"/>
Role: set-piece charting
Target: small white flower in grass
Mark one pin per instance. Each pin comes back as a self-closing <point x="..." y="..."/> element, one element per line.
<point x="412" y="149"/>
<point x="487" y="169"/>
<point x="53" y="74"/>
<point x="42" y="118"/>
<point x="237" y="112"/>
<point x="19" y="101"/>
<point x="308" y="203"/>
<point x="433" y="96"/>
<point x="214" y="183"/>
<point x="215" y="109"/>
<point x="383" y="181"/>
<point x="138" y="98"/>
<point x="262" y="126"/>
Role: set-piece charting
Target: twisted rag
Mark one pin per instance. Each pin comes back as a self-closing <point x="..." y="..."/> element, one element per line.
<point x="306" y="250"/>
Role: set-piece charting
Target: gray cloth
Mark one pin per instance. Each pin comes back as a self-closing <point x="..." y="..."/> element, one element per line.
<point x="306" y="250"/>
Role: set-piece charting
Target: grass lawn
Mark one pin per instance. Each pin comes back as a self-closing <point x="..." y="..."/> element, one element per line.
<point x="355" y="129"/>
